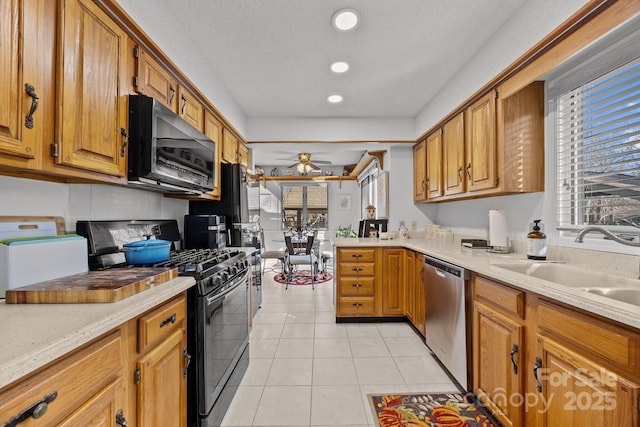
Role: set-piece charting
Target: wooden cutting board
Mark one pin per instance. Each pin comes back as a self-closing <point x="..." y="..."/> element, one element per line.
<point x="92" y="287"/>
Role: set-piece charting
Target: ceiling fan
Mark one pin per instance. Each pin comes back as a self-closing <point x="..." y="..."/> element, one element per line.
<point x="305" y="165"/>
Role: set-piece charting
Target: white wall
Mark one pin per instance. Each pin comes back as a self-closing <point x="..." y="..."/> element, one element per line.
<point x="85" y="202"/>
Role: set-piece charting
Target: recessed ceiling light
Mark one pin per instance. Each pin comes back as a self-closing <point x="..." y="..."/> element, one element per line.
<point x="345" y="19"/>
<point x="339" y="67"/>
<point x="334" y="99"/>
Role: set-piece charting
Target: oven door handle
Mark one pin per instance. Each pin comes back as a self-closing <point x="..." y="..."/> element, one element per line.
<point x="237" y="282"/>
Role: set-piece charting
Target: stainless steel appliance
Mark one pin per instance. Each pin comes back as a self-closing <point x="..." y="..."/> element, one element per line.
<point x="241" y="216"/>
<point x="448" y="308"/>
<point x="217" y="310"/>
<point x="205" y="231"/>
<point x="166" y="153"/>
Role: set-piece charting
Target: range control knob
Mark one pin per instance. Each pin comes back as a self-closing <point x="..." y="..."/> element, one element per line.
<point x="233" y="270"/>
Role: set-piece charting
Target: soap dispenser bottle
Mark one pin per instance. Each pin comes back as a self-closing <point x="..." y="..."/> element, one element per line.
<point x="536" y="243"/>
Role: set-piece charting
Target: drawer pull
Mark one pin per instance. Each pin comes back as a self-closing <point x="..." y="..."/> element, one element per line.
<point x="35" y="411"/>
<point x="357" y="304"/>
<point x="170" y="319"/>
<point x="514" y="351"/>
<point x="537" y="365"/>
<point x="120" y="419"/>
<point x="356" y="255"/>
<point x="357" y="285"/>
<point x="357" y="269"/>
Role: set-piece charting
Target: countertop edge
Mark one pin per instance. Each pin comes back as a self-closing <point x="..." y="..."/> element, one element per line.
<point x="104" y="317"/>
<point x="480" y="262"/>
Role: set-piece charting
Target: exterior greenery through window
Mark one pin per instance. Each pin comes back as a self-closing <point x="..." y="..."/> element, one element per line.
<point x="598" y="150"/>
<point x="305" y="205"/>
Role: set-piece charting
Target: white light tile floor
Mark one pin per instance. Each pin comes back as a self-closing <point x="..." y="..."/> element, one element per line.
<point x="306" y="370"/>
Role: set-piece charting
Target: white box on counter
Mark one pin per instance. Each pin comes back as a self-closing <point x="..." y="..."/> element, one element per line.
<point x="38" y="261"/>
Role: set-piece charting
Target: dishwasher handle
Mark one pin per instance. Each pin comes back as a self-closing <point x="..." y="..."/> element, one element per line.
<point x="443" y="268"/>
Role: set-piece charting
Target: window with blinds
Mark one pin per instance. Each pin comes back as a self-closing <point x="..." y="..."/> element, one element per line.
<point x="598" y="151"/>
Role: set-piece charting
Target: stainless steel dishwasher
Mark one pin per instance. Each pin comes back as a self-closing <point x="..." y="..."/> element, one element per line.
<point x="448" y="303"/>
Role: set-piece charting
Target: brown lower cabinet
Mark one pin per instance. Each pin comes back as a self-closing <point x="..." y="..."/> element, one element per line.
<point x="541" y="363"/>
<point x="132" y="375"/>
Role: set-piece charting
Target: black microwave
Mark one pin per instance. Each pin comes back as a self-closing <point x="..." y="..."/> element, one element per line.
<point x="166" y="153"/>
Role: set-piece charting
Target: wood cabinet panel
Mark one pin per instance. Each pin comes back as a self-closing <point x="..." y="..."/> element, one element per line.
<point x="101" y="410"/>
<point x="481" y="149"/>
<point x="510" y="301"/>
<point x="229" y="147"/>
<point x="91" y="103"/>
<point x="393" y="274"/>
<point x="243" y="154"/>
<point x="420" y="303"/>
<point x="410" y="286"/>
<point x="357" y="286"/>
<point x="162" y="390"/>
<point x="213" y="129"/>
<point x="357" y="254"/>
<point x="578" y="392"/>
<point x="190" y="108"/>
<point x="434" y="165"/>
<point x="77" y="379"/>
<point x="356" y="307"/>
<point x="153" y="80"/>
<point x="420" y="171"/>
<point x="357" y="282"/>
<point x="160" y="322"/>
<point x="27" y="33"/>
<point x="357" y="269"/>
<point x="453" y="156"/>
<point x="496" y="340"/>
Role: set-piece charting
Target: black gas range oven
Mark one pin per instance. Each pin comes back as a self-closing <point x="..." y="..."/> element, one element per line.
<point x="217" y="309"/>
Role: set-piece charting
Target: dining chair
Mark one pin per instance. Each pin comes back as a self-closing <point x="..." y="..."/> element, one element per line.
<point x="293" y="260"/>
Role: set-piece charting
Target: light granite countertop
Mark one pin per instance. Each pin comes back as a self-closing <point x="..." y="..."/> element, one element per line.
<point x="484" y="263"/>
<point x="35" y="334"/>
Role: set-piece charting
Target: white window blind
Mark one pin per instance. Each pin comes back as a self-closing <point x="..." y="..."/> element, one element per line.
<point x="598" y="151"/>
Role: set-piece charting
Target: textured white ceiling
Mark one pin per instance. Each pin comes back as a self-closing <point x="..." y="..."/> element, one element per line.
<point x="272" y="57"/>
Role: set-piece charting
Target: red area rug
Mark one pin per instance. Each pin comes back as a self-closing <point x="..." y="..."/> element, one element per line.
<point x="303" y="277"/>
<point x="428" y="410"/>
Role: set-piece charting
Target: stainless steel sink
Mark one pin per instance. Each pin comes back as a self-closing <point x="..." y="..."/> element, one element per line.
<point x="628" y="295"/>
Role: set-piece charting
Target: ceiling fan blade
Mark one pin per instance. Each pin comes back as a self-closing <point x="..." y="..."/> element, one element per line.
<point x="322" y="162"/>
<point x="313" y="166"/>
<point x="293" y="165"/>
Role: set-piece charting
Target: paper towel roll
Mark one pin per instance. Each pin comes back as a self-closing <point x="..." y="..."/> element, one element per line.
<point x="498" y="229"/>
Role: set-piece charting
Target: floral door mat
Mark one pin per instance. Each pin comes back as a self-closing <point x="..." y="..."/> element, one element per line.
<point x="429" y="410"/>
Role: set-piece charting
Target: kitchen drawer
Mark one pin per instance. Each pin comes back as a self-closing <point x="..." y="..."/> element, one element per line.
<point x="356" y="255"/>
<point x="356" y="286"/>
<point x="497" y="295"/>
<point x="160" y="322"/>
<point x="76" y="379"/>
<point x="348" y="306"/>
<point x="604" y="339"/>
<point x="356" y="269"/>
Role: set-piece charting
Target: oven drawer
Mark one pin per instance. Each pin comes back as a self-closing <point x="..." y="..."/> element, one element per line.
<point x="160" y="322"/>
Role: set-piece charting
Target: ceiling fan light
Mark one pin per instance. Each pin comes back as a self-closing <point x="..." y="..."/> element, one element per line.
<point x="335" y="99"/>
<point x="304" y="169"/>
<point x="339" y="67"/>
<point x="345" y="19"/>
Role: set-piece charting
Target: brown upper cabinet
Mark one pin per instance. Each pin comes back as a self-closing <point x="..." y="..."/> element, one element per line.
<point x="190" y="108"/>
<point x="434" y="165"/>
<point x="420" y="171"/>
<point x="243" y="154"/>
<point x="453" y="156"/>
<point x="92" y="106"/>
<point x="214" y="130"/>
<point x="152" y="79"/>
<point x="488" y="149"/>
<point x="229" y="147"/>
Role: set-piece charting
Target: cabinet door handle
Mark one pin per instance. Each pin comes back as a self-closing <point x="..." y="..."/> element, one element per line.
<point x="173" y="93"/>
<point x="35" y="411"/>
<point x="424" y="185"/>
<point x="514" y="351"/>
<point x="187" y="356"/>
<point x="120" y="419"/>
<point x="469" y="171"/>
<point x="170" y="319"/>
<point x="537" y="365"/>
<point x="31" y="91"/>
<point x="125" y="141"/>
<point x="460" y="173"/>
<point x="184" y="104"/>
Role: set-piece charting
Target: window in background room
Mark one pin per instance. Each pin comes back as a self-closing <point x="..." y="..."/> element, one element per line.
<point x="368" y="188"/>
<point x="305" y="206"/>
<point x="598" y="134"/>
